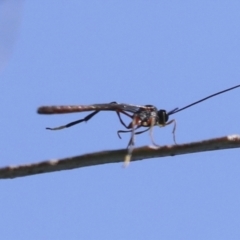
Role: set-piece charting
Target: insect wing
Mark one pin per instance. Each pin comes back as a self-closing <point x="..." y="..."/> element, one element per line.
<point x="85" y="108"/>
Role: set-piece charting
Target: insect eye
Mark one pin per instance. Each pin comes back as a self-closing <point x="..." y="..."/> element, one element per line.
<point x="163" y="116"/>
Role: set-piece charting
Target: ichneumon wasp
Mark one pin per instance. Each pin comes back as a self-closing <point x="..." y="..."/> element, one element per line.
<point x="146" y="116"/>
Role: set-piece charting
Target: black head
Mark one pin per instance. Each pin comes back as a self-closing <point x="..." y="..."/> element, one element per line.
<point x="162" y="117"/>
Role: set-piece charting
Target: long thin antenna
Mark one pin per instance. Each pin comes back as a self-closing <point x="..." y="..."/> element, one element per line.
<point x="213" y="95"/>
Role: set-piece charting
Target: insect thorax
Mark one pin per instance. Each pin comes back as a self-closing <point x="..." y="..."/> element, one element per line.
<point x="146" y="115"/>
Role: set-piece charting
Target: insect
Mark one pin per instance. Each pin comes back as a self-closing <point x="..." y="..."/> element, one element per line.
<point x="146" y="116"/>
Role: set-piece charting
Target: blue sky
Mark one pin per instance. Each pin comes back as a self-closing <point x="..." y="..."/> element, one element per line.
<point x="165" y="53"/>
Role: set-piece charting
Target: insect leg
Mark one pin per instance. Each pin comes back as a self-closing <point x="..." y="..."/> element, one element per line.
<point x="136" y="133"/>
<point x="119" y="116"/>
<point x="123" y="123"/>
<point x="88" y="117"/>
<point x="153" y="121"/>
<point x="174" y="128"/>
<point x="131" y="143"/>
<point x="120" y="119"/>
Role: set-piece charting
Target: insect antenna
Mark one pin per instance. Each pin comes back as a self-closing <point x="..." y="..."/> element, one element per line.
<point x="201" y="100"/>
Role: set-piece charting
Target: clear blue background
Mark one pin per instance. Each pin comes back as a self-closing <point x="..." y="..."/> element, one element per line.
<point x="165" y="53"/>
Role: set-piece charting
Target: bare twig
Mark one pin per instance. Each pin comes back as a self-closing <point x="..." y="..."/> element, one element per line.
<point x="114" y="156"/>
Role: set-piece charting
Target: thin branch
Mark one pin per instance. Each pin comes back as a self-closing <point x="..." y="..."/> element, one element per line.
<point x="115" y="156"/>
